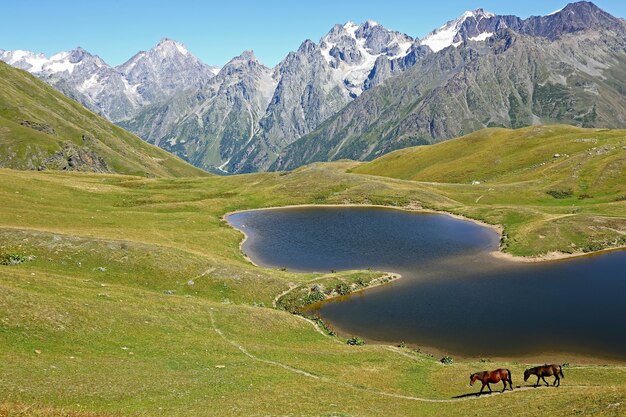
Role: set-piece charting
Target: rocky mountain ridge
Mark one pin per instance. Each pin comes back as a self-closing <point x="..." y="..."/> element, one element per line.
<point x="117" y="93"/>
<point x="248" y="117"/>
<point x="511" y="80"/>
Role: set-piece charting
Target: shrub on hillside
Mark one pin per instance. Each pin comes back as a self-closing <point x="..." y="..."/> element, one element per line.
<point x="355" y="341"/>
<point x="12" y="259"/>
<point x="560" y="194"/>
<point x="313" y="297"/>
<point x="343" y="289"/>
<point x="362" y="282"/>
<point x="446" y="360"/>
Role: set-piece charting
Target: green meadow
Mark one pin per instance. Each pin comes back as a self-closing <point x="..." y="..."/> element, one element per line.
<point x="124" y="295"/>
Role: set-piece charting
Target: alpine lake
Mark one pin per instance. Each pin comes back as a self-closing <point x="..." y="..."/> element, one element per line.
<point x="455" y="296"/>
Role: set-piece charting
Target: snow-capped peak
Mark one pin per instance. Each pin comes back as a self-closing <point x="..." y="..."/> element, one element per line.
<point x="164" y="55"/>
<point x="350" y="27"/>
<point x="26" y="60"/>
<point x="479" y="13"/>
<point x="351" y="50"/>
<point x="39" y="64"/>
<point x="370" y="23"/>
<point x="60" y="56"/>
<point x="169" y="45"/>
<point x="448" y="34"/>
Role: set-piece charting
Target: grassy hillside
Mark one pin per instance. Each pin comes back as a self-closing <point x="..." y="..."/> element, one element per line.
<point x="136" y="300"/>
<point x="557" y="154"/>
<point x="41" y="127"/>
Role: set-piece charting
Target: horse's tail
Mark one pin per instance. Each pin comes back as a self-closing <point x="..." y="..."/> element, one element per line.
<point x="561" y="371"/>
<point x="510" y="380"/>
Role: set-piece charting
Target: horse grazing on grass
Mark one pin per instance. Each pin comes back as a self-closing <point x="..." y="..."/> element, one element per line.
<point x="543" y="371"/>
<point x="492" y="377"/>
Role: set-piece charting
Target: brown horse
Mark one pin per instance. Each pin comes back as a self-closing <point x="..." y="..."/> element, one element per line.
<point x="492" y="377"/>
<point x="543" y="371"/>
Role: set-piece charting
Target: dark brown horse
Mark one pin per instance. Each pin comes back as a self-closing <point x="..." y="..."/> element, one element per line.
<point x="492" y="377"/>
<point x="543" y="371"/>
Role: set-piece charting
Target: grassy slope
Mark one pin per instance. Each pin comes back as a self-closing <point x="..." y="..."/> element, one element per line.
<point x="24" y="97"/>
<point x="519" y="177"/>
<point x="116" y="341"/>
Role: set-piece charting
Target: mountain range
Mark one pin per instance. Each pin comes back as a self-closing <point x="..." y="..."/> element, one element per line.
<point x="361" y="91"/>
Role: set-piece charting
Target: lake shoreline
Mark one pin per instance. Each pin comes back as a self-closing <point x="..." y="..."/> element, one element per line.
<point x="574" y="358"/>
<point x="499" y="229"/>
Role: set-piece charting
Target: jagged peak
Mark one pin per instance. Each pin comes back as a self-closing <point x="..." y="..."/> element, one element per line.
<point x="353" y="30"/>
<point x="78" y="54"/>
<point x="170" y="45"/>
<point x="577" y="7"/>
<point x="307" y="46"/>
<point x="245" y="58"/>
<point x="165" y="40"/>
<point x="480" y="12"/>
<point x="476" y="13"/>
<point x="242" y="63"/>
<point x="445" y="35"/>
<point x="349" y="25"/>
<point x="80" y="51"/>
<point x="247" y="55"/>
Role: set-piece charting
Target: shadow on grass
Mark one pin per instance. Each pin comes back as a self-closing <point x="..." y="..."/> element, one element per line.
<point x="499" y="391"/>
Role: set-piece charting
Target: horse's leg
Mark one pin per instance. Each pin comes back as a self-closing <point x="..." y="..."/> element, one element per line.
<point x="537" y="384"/>
<point x="481" y="389"/>
<point x="544" y="380"/>
<point x="504" y="382"/>
<point x="489" y="386"/>
<point x="557" y="380"/>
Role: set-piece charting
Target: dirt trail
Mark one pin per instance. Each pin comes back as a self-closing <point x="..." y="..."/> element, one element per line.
<point x="465" y="397"/>
<point x="282" y="294"/>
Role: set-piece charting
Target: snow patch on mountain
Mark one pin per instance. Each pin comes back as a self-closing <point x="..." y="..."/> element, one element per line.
<point x="25" y="60"/>
<point x="448" y="34"/>
<point x="59" y="63"/>
<point x="481" y="37"/>
<point x="89" y="83"/>
<point x="351" y="51"/>
<point x="39" y="64"/>
<point x="555" y="12"/>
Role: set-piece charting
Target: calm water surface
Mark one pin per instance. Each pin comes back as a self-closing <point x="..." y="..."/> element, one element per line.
<point x="453" y="293"/>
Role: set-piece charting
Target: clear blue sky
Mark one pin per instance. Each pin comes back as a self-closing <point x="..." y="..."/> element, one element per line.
<point x="217" y="31"/>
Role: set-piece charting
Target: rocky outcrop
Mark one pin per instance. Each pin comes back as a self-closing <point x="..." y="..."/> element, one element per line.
<point x="41" y="127"/>
<point x="74" y="158"/>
